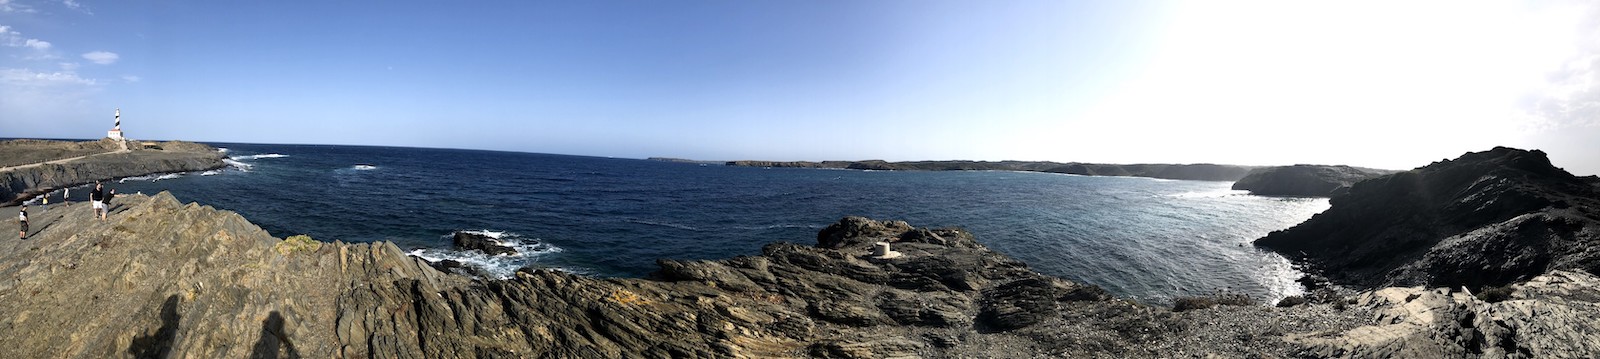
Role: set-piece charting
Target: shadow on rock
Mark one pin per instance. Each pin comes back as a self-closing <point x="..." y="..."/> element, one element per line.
<point x="273" y="344"/>
<point x="159" y="344"/>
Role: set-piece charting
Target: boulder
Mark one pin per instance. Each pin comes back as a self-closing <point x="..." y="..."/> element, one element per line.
<point x="465" y="240"/>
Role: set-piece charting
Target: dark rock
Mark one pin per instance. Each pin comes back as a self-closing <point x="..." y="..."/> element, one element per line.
<point x="454" y="266"/>
<point x="857" y="231"/>
<point x="1487" y="218"/>
<point x="1305" y="180"/>
<point x="465" y="240"/>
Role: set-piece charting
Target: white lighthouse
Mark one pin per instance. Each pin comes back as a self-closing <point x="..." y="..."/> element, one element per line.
<point x="116" y="130"/>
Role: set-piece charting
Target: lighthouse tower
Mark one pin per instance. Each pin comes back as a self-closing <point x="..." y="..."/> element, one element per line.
<point x="116" y="130"/>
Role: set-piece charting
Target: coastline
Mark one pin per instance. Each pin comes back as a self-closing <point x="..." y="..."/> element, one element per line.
<point x="24" y="182"/>
<point x="166" y="278"/>
<point x="191" y="280"/>
<point x="1196" y="172"/>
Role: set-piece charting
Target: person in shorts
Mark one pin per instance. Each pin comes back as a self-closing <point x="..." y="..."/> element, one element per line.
<point x="97" y="198"/>
<point x="22" y="221"/>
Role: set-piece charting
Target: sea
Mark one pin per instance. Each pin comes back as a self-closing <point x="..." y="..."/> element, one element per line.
<point x="1141" y="238"/>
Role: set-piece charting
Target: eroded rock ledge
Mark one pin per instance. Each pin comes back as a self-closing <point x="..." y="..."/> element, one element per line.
<point x="185" y="280"/>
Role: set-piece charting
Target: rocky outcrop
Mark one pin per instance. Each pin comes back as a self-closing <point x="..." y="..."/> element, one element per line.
<point x="1305" y="180"/>
<point x="1484" y="219"/>
<point x="1551" y="316"/>
<point x="472" y="241"/>
<point x="167" y="279"/>
<point x="20" y="183"/>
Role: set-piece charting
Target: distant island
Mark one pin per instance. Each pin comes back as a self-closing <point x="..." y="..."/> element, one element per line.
<point x="1299" y="180"/>
<point x="1196" y="172"/>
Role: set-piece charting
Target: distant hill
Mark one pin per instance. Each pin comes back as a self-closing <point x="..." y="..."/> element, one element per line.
<point x="1198" y="172"/>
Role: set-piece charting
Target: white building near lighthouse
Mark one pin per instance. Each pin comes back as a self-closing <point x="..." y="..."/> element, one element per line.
<point x="116" y="130"/>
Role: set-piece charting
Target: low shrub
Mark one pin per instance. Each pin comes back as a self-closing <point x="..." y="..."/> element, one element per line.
<point x="298" y="243"/>
<point x="1496" y="294"/>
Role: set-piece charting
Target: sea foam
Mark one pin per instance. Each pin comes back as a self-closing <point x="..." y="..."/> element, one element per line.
<point x="502" y="266"/>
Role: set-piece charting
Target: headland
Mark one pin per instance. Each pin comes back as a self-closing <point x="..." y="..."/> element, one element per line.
<point x="32" y="167"/>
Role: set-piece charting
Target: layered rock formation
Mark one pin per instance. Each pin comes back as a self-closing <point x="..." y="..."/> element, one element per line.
<point x="25" y="181"/>
<point x="165" y="279"/>
<point x="1484" y="219"/>
<point x="1305" y="180"/>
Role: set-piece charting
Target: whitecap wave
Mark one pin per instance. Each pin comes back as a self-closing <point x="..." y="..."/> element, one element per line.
<point x="211" y="173"/>
<point x="503" y="266"/>
<point x="222" y="149"/>
<point x="364" y="167"/>
<point x="135" y="178"/>
<point x="260" y="156"/>
<point x="151" y="178"/>
<point x="1217" y="193"/>
<point x="239" y="165"/>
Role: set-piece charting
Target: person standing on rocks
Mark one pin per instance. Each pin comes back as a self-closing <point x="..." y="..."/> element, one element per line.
<point x="46" y="206"/>
<point x="109" y="194"/>
<point x="97" y="199"/>
<point x="22" y="221"/>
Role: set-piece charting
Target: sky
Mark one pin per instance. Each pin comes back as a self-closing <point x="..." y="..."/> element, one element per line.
<point x="1385" y="84"/>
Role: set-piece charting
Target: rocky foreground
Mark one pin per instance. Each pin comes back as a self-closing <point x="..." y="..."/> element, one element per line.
<point x="31" y="166"/>
<point x="167" y="279"/>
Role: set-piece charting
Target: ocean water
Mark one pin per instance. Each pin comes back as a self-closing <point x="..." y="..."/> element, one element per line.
<point x="1142" y="238"/>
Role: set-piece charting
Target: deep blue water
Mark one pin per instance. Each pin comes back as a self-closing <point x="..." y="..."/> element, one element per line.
<point x="1143" y="238"/>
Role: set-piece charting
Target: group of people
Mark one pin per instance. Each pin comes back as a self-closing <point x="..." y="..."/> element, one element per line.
<point x="98" y="198"/>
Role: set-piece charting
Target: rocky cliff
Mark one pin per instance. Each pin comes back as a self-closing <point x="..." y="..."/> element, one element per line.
<point x="22" y="182"/>
<point x="1484" y="219"/>
<point x="166" y="279"/>
<point x="1305" y="180"/>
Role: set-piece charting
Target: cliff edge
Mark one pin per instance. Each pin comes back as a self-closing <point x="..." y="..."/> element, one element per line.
<point x="1485" y="219"/>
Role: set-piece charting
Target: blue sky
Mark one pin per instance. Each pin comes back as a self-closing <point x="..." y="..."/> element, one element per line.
<point x="1248" y="82"/>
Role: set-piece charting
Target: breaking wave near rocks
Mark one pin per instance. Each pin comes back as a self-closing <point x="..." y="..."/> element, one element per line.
<point x="470" y="259"/>
<point x="260" y="156"/>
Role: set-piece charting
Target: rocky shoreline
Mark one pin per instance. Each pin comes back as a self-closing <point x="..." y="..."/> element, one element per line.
<point x="100" y="162"/>
<point x="168" y="279"/>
